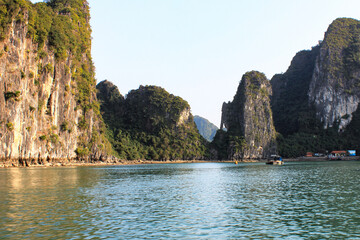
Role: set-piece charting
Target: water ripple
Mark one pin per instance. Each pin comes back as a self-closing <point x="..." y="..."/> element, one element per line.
<point x="182" y="201"/>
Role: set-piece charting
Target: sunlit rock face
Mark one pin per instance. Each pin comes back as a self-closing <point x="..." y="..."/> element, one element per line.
<point x="248" y="119"/>
<point x="335" y="85"/>
<point x="45" y="114"/>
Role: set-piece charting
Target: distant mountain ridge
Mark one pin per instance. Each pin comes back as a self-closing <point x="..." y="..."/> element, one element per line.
<point x="205" y="127"/>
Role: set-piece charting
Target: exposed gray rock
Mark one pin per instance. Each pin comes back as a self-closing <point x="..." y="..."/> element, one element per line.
<point x="335" y="82"/>
<point x="248" y="119"/>
<point x="39" y="114"/>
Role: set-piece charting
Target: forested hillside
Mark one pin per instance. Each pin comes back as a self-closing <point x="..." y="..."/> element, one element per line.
<point x="151" y="124"/>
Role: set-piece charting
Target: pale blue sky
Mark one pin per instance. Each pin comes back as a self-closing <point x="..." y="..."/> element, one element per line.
<point x="199" y="49"/>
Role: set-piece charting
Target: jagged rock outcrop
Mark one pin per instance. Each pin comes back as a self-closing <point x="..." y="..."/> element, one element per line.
<point x="335" y="85"/>
<point x="316" y="100"/>
<point x="150" y="124"/>
<point x="48" y="105"/>
<point x="248" y="120"/>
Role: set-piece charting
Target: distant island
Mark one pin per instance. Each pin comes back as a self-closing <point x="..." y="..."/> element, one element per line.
<point x="52" y="111"/>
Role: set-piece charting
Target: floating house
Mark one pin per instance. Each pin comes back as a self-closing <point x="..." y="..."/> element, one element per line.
<point x="337" y="155"/>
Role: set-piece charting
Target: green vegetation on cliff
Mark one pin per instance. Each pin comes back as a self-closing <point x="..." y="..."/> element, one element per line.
<point x="63" y="26"/>
<point x="150" y="123"/>
<point x="342" y="42"/>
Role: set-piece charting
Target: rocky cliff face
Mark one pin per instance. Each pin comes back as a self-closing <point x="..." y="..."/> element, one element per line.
<point x="290" y="101"/>
<point x="150" y="124"/>
<point x="315" y="102"/>
<point x="47" y="93"/>
<point x="334" y="89"/>
<point x="248" y="119"/>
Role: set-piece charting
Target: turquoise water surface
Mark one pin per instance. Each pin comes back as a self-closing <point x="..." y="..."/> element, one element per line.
<point x="313" y="200"/>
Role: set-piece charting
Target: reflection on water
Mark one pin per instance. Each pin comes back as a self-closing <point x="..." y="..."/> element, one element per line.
<point x="184" y="201"/>
<point x="42" y="203"/>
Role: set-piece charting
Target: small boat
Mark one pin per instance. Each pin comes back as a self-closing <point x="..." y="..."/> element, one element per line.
<point x="277" y="160"/>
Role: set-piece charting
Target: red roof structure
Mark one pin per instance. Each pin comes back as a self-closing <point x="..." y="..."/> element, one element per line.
<point x="338" y="152"/>
<point x="309" y="154"/>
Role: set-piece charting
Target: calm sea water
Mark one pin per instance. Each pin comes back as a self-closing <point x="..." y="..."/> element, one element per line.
<point x="319" y="200"/>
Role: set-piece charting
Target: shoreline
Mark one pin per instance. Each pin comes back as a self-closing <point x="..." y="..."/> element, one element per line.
<point x="61" y="163"/>
<point x="78" y="163"/>
<point x="320" y="159"/>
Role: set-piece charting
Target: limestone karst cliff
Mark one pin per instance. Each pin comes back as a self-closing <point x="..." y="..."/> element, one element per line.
<point x="149" y="124"/>
<point x="48" y="105"/>
<point x="248" y="120"/>
<point x="315" y="102"/>
<point x="50" y="113"/>
<point x="335" y="84"/>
